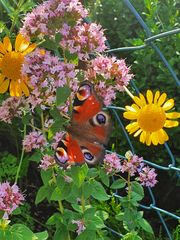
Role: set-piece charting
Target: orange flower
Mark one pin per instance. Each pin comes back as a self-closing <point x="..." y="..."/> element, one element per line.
<point x="10" y="65"/>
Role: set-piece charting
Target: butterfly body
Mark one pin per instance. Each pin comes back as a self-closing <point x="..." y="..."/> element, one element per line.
<point x="88" y="131"/>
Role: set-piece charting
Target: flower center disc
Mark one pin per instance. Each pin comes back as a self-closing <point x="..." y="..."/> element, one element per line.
<point x="11" y="65"/>
<point x="151" y="118"/>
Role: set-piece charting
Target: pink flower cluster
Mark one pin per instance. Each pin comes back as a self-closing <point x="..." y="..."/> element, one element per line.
<point x="112" y="163"/>
<point x="80" y="225"/>
<point x="10" y="198"/>
<point x="48" y="17"/>
<point x="47" y="162"/>
<point x="147" y="177"/>
<point x="83" y="39"/>
<point x="133" y="165"/>
<point x="115" y="74"/>
<point x="57" y="137"/>
<point x="46" y="72"/>
<point x="10" y="108"/>
<point x="34" y="140"/>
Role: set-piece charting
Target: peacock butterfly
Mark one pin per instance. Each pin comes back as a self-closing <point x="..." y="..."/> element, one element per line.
<point x="88" y="131"/>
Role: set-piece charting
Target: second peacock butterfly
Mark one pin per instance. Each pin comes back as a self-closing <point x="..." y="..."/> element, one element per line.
<point x="88" y="132"/>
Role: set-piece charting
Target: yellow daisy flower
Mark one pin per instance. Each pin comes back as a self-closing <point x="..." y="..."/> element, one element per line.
<point x="149" y="116"/>
<point x="10" y="65"/>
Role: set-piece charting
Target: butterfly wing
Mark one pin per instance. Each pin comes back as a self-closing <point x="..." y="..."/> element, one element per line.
<point x="88" y="132"/>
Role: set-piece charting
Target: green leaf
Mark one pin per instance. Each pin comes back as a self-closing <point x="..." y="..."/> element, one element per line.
<point x="55" y="113"/>
<point x="71" y="57"/>
<point x="41" y="194"/>
<point x="104" y="177"/>
<point x="132" y="236"/>
<point x="21" y="232"/>
<point x="56" y="195"/>
<point x="62" y="93"/>
<point x="26" y="119"/>
<point x="145" y="225"/>
<point x="54" y="219"/>
<point x="137" y="191"/>
<point x="42" y="235"/>
<point x="87" y="235"/>
<point x="36" y="157"/>
<point x="49" y="44"/>
<point x="119" y="183"/>
<point x="61" y="233"/>
<point x="79" y="174"/>
<point x="46" y="176"/>
<point x="99" y="192"/>
<point x="56" y="126"/>
<point x="94" y="222"/>
<point x="87" y="189"/>
<point x="102" y="214"/>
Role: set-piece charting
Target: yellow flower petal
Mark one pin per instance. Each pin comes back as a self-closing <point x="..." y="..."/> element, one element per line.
<point x="138" y="101"/>
<point x="149" y="96"/>
<point x="173" y="115"/>
<point x="157" y="94"/>
<point x="30" y="49"/>
<point x="130" y="108"/>
<point x="143" y="137"/>
<point x="4" y="86"/>
<point x="1" y="78"/>
<point x="143" y="100"/>
<point x="155" y="139"/>
<point x="12" y="88"/>
<point x="148" y="138"/>
<point x="132" y="127"/>
<point x="25" y="89"/>
<point x="168" y="104"/>
<point x="21" y="44"/>
<point x="130" y="115"/>
<point x="170" y="124"/>
<point x="162" y="99"/>
<point x="7" y="44"/>
<point x="135" y="107"/>
<point x="137" y="133"/>
<point x="164" y="135"/>
<point x="2" y="48"/>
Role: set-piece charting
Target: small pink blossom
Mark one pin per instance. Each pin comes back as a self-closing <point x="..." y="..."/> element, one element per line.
<point x="49" y="17"/>
<point x="57" y="138"/>
<point x="10" y="108"/>
<point x="10" y="198"/>
<point x="147" y="177"/>
<point x="110" y="74"/>
<point x="80" y="225"/>
<point x="112" y="163"/>
<point x="46" y="73"/>
<point x="84" y="39"/>
<point x="132" y="164"/>
<point x="47" y="162"/>
<point x="34" y="140"/>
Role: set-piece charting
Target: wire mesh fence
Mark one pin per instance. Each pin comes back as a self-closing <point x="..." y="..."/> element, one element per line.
<point x="171" y="165"/>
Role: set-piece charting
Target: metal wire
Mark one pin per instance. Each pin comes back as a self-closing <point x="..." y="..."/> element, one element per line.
<point x="172" y="166"/>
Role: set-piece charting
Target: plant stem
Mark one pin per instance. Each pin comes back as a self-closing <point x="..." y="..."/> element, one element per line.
<point x="16" y="15"/>
<point x="59" y="201"/>
<point x="42" y="124"/>
<point x="128" y="92"/>
<point x="21" y="159"/>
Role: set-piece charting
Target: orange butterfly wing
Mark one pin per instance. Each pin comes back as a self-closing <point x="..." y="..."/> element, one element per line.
<point x="88" y="132"/>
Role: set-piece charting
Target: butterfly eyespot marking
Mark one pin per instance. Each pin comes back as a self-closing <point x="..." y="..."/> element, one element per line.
<point x="100" y="119"/>
<point x="88" y="157"/>
<point x="61" y="155"/>
<point x="84" y="92"/>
